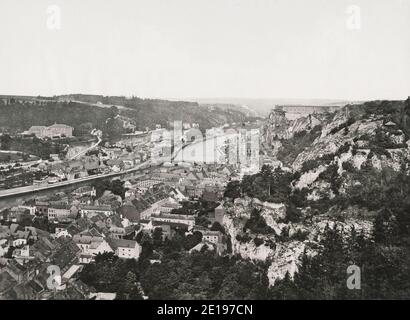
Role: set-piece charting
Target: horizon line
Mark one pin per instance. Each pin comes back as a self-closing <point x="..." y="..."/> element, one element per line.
<point x="193" y="98"/>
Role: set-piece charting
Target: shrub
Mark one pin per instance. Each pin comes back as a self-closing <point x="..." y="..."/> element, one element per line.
<point x="343" y="149"/>
<point x="349" y="167"/>
<point x="244" y="238"/>
<point x="344" y="125"/>
<point x="257" y="224"/>
<point x="293" y="214"/>
<point x="299" y="235"/>
<point x="258" y="241"/>
<point x="354" y="149"/>
<point x="309" y="165"/>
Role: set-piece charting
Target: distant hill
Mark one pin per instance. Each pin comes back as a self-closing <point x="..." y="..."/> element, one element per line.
<point x="262" y="107"/>
<point x="19" y="116"/>
<point x="79" y="111"/>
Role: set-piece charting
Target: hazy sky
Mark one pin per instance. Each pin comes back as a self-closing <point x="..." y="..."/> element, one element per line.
<point x="207" y="48"/>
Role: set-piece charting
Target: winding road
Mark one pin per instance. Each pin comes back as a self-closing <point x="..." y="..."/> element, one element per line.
<point x="36" y="188"/>
<point x="86" y="150"/>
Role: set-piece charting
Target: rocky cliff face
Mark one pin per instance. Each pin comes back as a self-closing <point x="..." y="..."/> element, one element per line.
<point x="375" y="134"/>
<point x="283" y="254"/>
<point x="350" y="145"/>
<point x="278" y="126"/>
<point x="363" y="133"/>
<point x="360" y="126"/>
<point x="346" y="143"/>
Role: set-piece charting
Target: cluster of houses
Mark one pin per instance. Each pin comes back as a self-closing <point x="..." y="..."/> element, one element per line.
<point x="122" y="155"/>
<point x="107" y="160"/>
<point x="81" y="226"/>
<point x="69" y="243"/>
<point x="194" y="182"/>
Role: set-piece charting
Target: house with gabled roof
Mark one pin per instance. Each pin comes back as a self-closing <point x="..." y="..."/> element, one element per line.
<point x="91" y="210"/>
<point x="90" y="246"/>
<point x="125" y="249"/>
<point x="66" y="255"/>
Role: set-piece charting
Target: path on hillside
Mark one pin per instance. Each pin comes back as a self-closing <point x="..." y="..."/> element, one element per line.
<point x="86" y="150"/>
<point x="102" y="105"/>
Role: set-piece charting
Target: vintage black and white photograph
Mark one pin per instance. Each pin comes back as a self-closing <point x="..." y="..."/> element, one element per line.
<point x="206" y="150"/>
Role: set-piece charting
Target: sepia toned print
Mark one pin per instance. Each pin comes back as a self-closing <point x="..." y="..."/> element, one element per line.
<point x="204" y="150"/>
